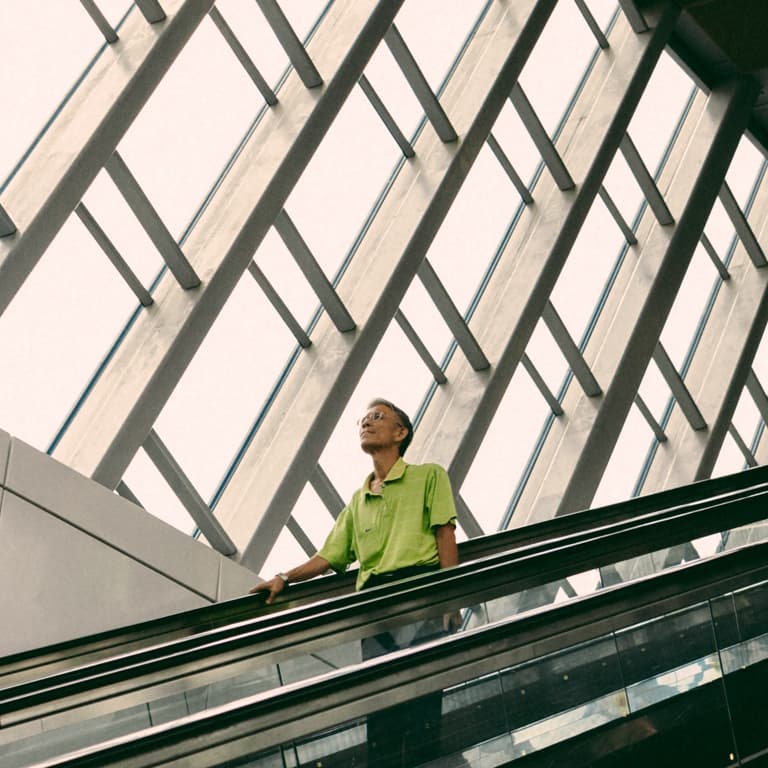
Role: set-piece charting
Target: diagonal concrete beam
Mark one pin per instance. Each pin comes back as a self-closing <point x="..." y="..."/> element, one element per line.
<point x="579" y="447"/>
<point x="283" y="454"/>
<point x="123" y="404"/>
<point x="54" y="177"/>
<point x="719" y="369"/>
<point x="458" y="416"/>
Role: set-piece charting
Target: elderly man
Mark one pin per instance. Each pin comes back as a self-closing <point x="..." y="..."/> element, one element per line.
<point x="401" y="522"/>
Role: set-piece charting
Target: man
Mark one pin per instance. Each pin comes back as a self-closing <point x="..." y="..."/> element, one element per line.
<point x="399" y="523"/>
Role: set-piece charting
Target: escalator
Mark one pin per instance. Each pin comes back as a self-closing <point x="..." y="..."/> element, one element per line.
<point x="77" y="653"/>
<point x="615" y="675"/>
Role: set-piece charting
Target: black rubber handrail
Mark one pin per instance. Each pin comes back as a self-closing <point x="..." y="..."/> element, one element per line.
<point x="257" y="723"/>
<point x="38" y="662"/>
<point x="98" y="645"/>
<point x="306" y="628"/>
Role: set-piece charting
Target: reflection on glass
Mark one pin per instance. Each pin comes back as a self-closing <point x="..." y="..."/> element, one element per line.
<point x="629" y="683"/>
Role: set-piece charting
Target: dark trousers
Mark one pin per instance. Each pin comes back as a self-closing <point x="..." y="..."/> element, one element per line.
<point x="409" y="733"/>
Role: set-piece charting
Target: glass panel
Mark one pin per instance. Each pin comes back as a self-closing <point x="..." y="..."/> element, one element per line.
<point x="658" y="114"/>
<point x="643" y="672"/>
<point x="622" y="698"/>
<point x="473" y="229"/>
<point x="579" y="290"/>
<point x="566" y="47"/>
<point x="42" y="65"/>
<point x="504" y="453"/>
<point x="65" y="316"/>
<point x="215" y="403"/>
<point x="620" y="478"/>
<point x="742" y="627"/>
<point x="351" y="166"/>
<point x="168" y="146"/>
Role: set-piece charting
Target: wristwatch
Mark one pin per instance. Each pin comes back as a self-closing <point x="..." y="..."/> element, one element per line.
<point x="284" y="577"/>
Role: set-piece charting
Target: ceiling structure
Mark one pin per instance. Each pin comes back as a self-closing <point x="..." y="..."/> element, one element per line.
<point x="521" y="221"/>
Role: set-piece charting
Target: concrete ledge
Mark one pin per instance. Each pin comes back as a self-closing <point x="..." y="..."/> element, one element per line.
<point x="62" y="583"/>
<point x="5" y="447"/>
<point x="108" y="517"/>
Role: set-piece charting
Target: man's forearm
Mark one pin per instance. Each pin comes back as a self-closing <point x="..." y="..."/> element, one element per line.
<point x="315" y="566"/>
<point x="447" y="549"/>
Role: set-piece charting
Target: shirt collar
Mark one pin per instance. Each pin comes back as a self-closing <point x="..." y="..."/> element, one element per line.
<point x="395" y="473"/>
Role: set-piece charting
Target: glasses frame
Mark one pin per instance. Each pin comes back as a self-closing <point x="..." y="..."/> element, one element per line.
<point x="375" y="416"/>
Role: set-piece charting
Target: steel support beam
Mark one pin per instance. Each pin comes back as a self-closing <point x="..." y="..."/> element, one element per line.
<point x="309" y="267"/>
<point x="7" y="227"/>
<point x="111" y="252"/>
<point x="283" y="454"/>
<point x="59" y="170"/>
<point x="720" y="369"/>
<point x="123" y="404"/>
<point x="420" y="347"/>
<point x="151" y="223"/>
<point x="100" y="20"/>
<point x="540" y="137"/>
<point x="742" y="227"/>
<point x="419" y="85"/>
<point x="594" y="27"/>
<point x="621" y="222"/>
<point x="758" y="395"/>
<point x="678" y="387"/>
<point x="509" y="169"/>
<point x="187" y="494"/>
<point x="749" y="457"/>
<point x="242" y="56"/>
<point x="579" y="447"/>
<point x="646" y="181"/>
<point x="541" y="385"/>
<point x="634" y="15"/>
<point x="717" y="262"/>
<point x="293" y="47"/>
<point x="453" y="318"/>
<point x="386" y="117"/>
<point x="457" y="418"/>
<point x="279" y="305"/>
<point x="570" y="351"/>
<point x="301" y="537"/>
<point x="151" y="10"/>
<point x="327" y="492"/>
<point x="658" y="432"/>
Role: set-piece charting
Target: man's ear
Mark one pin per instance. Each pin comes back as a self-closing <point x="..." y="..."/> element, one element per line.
<point x="403" y="434"/>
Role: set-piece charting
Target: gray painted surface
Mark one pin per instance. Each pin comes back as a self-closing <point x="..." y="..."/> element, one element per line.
<point x="76" y="558"/>
<point x="60" y="583"/>
<point x="5" y="447"/>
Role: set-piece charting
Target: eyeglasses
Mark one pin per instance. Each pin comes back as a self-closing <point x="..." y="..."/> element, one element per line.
<point x="373" y="416"/>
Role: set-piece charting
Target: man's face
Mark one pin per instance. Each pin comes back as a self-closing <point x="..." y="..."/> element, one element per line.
<point x="380" y="429"/>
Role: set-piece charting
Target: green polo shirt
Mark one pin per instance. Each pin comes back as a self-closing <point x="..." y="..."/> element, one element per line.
<point x="395" y="528"/>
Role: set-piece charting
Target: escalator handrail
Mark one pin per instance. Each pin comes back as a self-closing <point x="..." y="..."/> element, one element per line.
<point x="76" y="652"/>
<point x="305" y="628"/>
<point x="301" y="709"/>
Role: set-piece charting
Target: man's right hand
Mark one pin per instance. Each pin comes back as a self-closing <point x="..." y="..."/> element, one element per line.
<point x="274" y="586"/>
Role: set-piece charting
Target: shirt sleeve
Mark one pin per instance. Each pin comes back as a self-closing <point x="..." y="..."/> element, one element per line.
<point x="440" y="504"/>
<point x="338" y="549"/>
